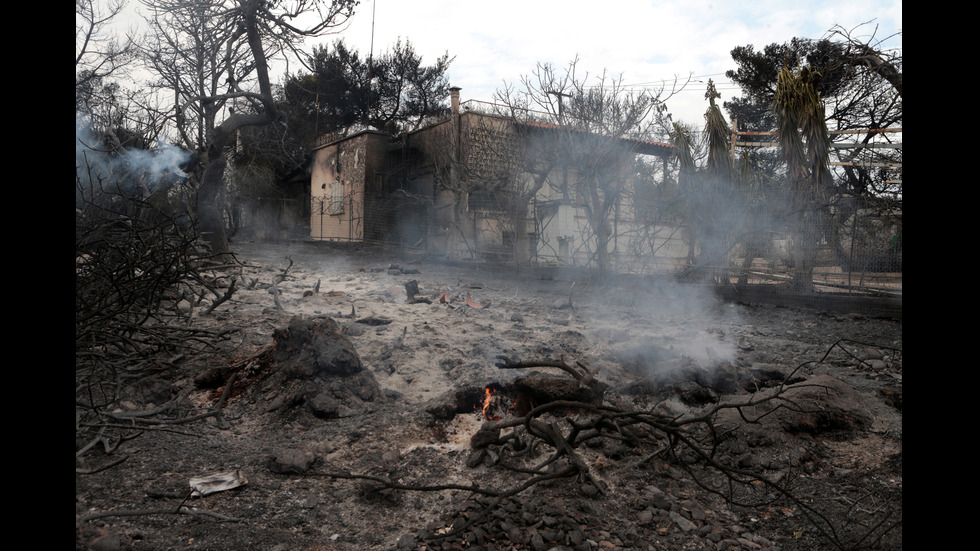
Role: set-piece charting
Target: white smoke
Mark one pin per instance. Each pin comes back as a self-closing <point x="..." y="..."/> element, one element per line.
<point x="694" y="315"/>
<point x="665" y="329"/>
<point x="148" y="169"/>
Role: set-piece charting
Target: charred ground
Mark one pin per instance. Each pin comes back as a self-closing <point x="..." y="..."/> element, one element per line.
<point x="369" y="465"/>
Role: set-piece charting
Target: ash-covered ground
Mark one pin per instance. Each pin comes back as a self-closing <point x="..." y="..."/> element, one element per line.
<point x="659" y="346"/>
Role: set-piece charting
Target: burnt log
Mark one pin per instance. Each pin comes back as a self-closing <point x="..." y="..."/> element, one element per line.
<point x="541" y="389"/>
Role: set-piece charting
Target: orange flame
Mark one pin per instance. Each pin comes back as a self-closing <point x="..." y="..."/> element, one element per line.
<point x="486" y="402"/>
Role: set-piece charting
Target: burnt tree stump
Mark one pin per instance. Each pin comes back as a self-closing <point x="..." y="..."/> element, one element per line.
<point x="319" y="368"/>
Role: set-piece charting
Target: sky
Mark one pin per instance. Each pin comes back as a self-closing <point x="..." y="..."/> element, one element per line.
<point x="646" y="43"/>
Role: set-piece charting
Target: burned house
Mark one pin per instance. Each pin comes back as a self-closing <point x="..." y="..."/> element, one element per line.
<point x="480" y="185"/>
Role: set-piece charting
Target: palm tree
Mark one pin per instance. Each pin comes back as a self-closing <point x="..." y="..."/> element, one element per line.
<point x="804" y="143"/>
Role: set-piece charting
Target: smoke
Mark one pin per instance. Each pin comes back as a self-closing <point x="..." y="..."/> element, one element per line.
<point x="670" y="328"/>
<point x="695" y="314"/>
<point x="163" y="163"/>
<point x="128" y="169"/>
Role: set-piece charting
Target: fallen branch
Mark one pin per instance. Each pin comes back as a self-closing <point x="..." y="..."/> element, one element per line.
<point x="146" y="512"/>
<point x="388" y="484"/>
<point x="223" y="298"/>
<point x="275" y="296"/>
<point x="579" y="371"/>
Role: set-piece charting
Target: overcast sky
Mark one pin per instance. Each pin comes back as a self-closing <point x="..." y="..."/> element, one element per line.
<point x="646" y="42"/>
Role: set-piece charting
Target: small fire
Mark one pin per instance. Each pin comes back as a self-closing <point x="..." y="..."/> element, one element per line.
<point x="488" y="394"/>
<point x="486" y="402"/>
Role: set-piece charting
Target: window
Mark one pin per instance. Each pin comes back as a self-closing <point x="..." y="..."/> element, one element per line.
<point x="336" y="203"/>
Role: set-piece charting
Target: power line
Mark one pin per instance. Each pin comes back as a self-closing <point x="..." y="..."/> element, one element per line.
<point x="690" y="83"/>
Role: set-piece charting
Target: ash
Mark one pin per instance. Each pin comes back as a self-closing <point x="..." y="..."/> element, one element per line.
<point x="668" y="350"/>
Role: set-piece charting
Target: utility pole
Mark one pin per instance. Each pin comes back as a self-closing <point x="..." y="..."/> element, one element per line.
<point x="561" y="123"/>
<point x="561" y="105"/>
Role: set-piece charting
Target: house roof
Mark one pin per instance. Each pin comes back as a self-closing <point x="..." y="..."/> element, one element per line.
<point x="644" y="147"/>
<point x="333" y="138"/>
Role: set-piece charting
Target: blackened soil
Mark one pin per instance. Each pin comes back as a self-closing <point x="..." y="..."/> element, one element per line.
<point x="836" y="477"/>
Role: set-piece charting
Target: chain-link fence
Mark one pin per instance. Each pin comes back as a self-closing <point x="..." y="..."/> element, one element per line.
<point x="844" y="238"/>
<point x="750" y="234"/>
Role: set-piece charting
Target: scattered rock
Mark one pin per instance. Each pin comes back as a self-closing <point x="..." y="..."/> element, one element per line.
<point x="106" y="542"/>
<point x="823" y="404"/>
<point x="292" y="461"/>
<point x="656" y="497"/>
<point x="683" y="523"/>
<point x="406" y="541"/>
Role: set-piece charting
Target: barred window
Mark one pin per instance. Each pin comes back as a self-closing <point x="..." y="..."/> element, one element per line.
<point x="336" y="204"/>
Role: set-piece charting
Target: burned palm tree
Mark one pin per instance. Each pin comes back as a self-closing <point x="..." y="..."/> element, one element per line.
<point x="739" y="191"/>
<point x="718" y="132"/>
<point x="804" y="143"/>
<point x="710" y="194"/>
<point x="720" y="193"/>
<point x="683" y="144"/>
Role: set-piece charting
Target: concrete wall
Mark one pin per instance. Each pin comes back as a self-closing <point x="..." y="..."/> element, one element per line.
<point x="342" y="173"/>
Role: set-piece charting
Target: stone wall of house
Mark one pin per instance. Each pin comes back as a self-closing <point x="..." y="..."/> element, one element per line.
<point x="341" y="172"/>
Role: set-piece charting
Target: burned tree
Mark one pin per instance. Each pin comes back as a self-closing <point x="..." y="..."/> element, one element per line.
<point x="213" y="58"/>
<point x="457" y="175"/>
<point x="528" y="158"/>
<point x="597" y="125"/>
<point x="470" y="162"/>
<point x="392" y="91"/>
<point x="140" y="274"/>
<point x="97" y="55"/>
<point x="489" y="166"/>
<point x="860" y="87"/>
<point x="805" y="146"/>
<point x="724" y="204"/>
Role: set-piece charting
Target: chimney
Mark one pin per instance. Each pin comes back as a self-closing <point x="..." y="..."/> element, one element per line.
<point x="454" y="99"/>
